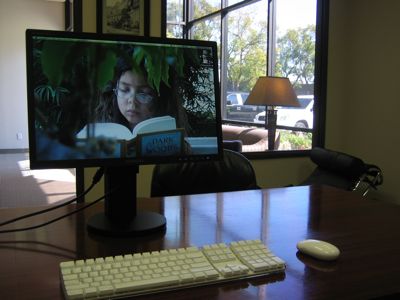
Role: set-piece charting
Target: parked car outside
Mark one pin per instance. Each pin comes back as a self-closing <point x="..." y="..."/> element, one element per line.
<point x="237" y="110"/>
<point x="301" y="117"/>
<point x="236" y="98"/>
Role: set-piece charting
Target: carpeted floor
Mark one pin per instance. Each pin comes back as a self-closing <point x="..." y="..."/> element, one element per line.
<point x="20" y="186"/>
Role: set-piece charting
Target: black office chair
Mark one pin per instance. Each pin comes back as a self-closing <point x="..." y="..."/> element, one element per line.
<point x="343" y="171"/>
<point x="233" y="173"/>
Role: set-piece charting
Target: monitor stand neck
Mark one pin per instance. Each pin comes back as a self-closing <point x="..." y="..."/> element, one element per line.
<point x="120" y="217"/>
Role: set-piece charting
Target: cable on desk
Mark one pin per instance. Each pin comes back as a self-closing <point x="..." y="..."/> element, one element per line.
<point x="56" y="219"/>
<point x="95" y="180"/>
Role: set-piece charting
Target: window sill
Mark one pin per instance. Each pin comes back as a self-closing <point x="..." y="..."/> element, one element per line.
<point x="276" y="154"/>
<point x="254" y="140"/>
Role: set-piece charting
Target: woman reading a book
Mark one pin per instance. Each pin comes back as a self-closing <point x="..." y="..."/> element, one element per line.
<point x="128" y="99"/>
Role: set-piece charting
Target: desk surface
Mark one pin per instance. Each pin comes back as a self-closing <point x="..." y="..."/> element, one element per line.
<point x="366" y="231"/>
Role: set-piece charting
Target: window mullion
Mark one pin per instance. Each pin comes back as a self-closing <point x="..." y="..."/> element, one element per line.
<point x="186" y="27"/>
<point x="224" y="61"/>
<point x="271" y="37"/>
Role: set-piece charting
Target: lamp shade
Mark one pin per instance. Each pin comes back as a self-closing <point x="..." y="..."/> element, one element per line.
<point x="273" y="91"/>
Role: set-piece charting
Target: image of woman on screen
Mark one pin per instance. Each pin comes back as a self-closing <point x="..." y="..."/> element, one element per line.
<point x="128" y="99"/>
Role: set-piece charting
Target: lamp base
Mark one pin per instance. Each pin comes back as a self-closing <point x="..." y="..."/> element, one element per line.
<point x="270" y="125"/>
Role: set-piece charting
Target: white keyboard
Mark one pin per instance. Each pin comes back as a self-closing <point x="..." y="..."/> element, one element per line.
<point x="151" y="272"/>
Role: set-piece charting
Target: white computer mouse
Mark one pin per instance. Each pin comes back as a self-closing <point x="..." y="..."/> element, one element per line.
<point x="318" y="249"/>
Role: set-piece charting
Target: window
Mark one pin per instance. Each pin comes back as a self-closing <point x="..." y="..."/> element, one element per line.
<point x="257" y="38"/>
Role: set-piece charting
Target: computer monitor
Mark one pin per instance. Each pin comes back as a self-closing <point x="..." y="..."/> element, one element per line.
<point x="120" y="101"/>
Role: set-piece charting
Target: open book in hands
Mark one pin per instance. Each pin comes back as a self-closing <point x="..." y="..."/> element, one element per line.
<point x="120" y="132"/>
<point x="145" y="135"/>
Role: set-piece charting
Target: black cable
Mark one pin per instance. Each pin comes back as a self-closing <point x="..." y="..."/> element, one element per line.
<point x="95" y="180"/>
<point x="35" y="244"/>
<point x="56" y="219"/>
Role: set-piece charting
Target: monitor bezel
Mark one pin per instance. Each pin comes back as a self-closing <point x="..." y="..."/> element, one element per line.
<point x="35" y="163"/>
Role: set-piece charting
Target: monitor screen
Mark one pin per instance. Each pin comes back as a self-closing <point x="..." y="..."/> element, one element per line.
<point x="117" y="102"/>
<point x="109" y="100"/>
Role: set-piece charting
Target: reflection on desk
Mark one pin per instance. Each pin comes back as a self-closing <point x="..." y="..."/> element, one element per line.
<point x="279" y="217"/>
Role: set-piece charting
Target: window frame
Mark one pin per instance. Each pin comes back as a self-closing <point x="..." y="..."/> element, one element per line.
<point x="320" y="71"/>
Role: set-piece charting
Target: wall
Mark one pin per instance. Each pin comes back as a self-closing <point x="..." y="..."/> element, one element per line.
<point x="15" y="17"/>
<point x="363" y="80"/>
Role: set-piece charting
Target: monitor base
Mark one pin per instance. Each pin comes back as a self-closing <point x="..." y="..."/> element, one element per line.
<point x="143" y="223"/>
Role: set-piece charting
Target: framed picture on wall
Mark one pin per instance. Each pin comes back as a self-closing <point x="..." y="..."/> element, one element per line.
<point x="123" y="17"/>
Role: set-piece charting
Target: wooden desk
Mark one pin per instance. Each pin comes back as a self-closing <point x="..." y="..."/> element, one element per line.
<point x="366" y="231"/>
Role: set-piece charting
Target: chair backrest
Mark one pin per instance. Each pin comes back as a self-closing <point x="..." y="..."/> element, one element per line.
<point x="342" y="170"/>
<point x="233" y="173"/>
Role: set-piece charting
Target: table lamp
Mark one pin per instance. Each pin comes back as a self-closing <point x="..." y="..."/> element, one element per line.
<point x="272" y="91"/>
